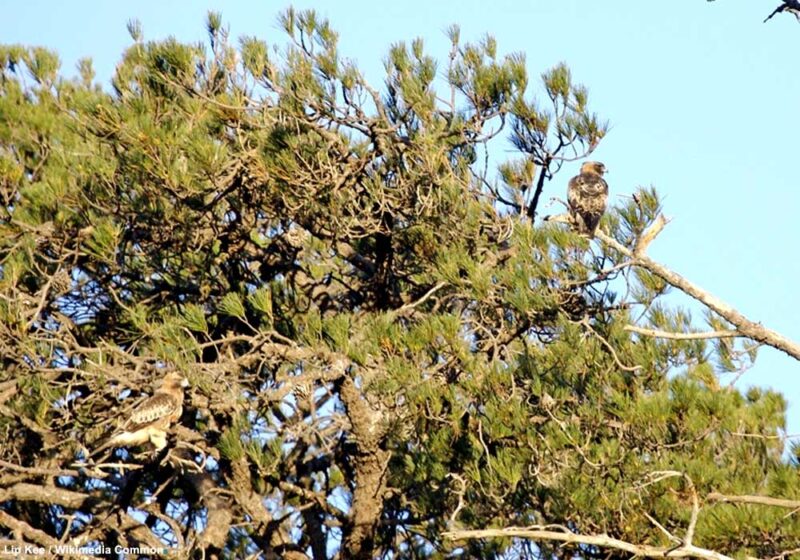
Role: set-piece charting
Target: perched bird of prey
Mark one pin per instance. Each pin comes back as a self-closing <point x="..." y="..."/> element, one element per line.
<point x="151" y="419"/>
<point x="587" y="196"/>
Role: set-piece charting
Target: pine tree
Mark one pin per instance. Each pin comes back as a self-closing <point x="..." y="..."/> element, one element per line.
<point x="390" y="355"/>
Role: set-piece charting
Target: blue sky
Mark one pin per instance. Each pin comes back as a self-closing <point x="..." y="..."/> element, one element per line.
<point x="702" y="98"/>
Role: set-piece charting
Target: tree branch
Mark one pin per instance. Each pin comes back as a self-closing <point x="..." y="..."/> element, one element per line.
<point x="543" y="533"/>
<point x="760" y="500"/>
<point x="370" y="464"/>
<point x="539" y="187"/>
<point x="745" y="327"/>
<point x="655" y="333"/>
<point x="649" y="235"/>
<point x="25" y="530"/>
<point x="25" y="492"/>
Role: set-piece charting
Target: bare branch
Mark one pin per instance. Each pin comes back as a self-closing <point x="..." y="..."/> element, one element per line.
<point x="695" y="512"/>
<point x="745" y="326"/>
<point x="610" y="348"/>
<point x="655" y="333"/>
<point x="558" y="218"/>
<point x="48" y="495"/>
<point x="412" y="304"/>
<point x="761" y="500"/>
<point x="23" y="529"/>
<point x="539" y="532"/>
<point x="531" y="210"/>
<point x="649" y="235"/>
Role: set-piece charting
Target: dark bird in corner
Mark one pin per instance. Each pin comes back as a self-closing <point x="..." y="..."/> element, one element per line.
<point x="587" y="197"/>
<point x="791" y="6"/>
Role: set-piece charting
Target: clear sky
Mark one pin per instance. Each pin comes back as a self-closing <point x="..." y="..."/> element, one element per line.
<point x="703" y="100"/>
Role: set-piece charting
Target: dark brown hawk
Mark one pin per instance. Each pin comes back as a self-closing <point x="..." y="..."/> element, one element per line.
<point x="151" y="419"/>
<point x="587" y="197"/>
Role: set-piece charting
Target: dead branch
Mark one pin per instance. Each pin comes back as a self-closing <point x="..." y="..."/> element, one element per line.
<point x="744" y="326"/>
<point x="540" y="532"/>
<point x="760" y="500"/>
<point x="649" y="235"/>
<point x="655" y="333"/>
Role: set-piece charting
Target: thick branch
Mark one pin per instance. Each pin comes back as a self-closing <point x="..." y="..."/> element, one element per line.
<point x="24" y="492"/>
<point x="219" y="511"/>
<point x="370" y="464"/>
<point x="25" y="530"/>
<point x="540" y="533"/>
<point x="30" y="472"/>
<point x="745" y="327"/>
<point x="52" y="495"/>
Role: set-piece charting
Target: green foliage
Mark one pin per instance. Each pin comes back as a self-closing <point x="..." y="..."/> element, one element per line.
<point x="261" y="300"/>
<point x="194" y="318"/>
<point x="232" y="305"/>
<point x="230" y="442"/>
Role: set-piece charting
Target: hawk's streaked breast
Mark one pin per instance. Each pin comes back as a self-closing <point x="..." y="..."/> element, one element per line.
<point x="587" y="196"/>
